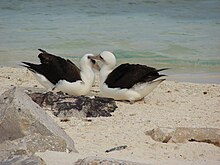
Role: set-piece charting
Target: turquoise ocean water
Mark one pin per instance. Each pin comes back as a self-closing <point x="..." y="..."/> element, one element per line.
<point x="180" y="34"/>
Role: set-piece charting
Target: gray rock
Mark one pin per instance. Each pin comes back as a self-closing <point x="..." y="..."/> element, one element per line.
<point x="30" y="144"/>
<point x="23" y="160"/>
<point x="105" y="161"/>
<point x="183" y="134"/>
<point x="24" y="123"/>
<point x="79" y="106"/>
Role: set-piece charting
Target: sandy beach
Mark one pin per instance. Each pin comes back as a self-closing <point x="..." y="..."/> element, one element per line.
<point x="172" y="104"/>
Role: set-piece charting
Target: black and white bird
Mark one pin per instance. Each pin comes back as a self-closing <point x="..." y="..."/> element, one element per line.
<point x="56" y="73"/>
<point x="129" y="82"/>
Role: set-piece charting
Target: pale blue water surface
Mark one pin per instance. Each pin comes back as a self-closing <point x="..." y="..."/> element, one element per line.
<point x="181" y="34"/>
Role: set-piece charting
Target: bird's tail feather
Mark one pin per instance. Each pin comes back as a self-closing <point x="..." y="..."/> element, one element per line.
<point x="32" y="67"/>
<point x="161" y="75"/>
<point x="162" y="69"/>
<point x="43" y="51"/>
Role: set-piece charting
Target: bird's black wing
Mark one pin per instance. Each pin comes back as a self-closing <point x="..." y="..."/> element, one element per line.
<point x="127" y="75"/>
<point x="55" y="68"/>
<point x="71" y="69"/>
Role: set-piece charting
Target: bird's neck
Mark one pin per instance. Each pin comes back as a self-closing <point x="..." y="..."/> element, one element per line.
<point x="87" y="76"/>
<point x="104" y="72"/>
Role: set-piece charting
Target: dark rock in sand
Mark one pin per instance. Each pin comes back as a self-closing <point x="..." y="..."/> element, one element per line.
<point x="182" y="134"/>
<point x="105" y="161"/>
<point x="26" y="128"/>
<point x="67" y="106"/>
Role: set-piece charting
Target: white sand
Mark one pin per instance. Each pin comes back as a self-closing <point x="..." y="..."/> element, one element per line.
<point x="172" y="104"/>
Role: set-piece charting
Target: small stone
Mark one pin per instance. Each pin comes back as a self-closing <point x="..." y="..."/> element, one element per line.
<point x="183" y="134"/>
<point x="64" y="120"/>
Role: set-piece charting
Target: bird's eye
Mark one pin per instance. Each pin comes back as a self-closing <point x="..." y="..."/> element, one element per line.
<point x="101" y="57"/>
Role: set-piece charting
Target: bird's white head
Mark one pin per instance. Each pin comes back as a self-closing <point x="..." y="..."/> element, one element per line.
<point x="109" y="62"/>
<point x="107" y="58"/>
<point x="89" y="62"/>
